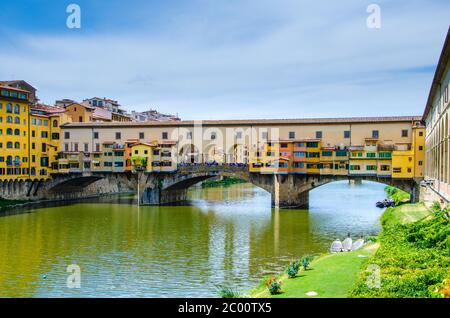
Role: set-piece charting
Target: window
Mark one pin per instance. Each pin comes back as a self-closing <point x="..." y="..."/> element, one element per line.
<point x="298" y="164"/>
<point x="17" y="132"/>
<point x="292" y="135"/>
<point x="318" y="134"/>
<point x="409" y="170"/>
<point x="17" y="145"/>
<point x="299" y="154"/>
<point x="66" y="135"/>
<point x="265" y="135"/>
<point x="189" y="135"/>
<point x="300" y="144"/>
<point x="312" y="144"/>
<point x="371" y="168"/>
<point x="95" y="134"/>
<point x="375" y="134"/>
<point x="55" y="123"/>
<point x="355" y="167"/>
<point x="141" y="135"/>
<point x="420" y="147"/>
<point x="283" y="145"/>
<point x="16" y="109"/>
<point x="66" y="147"/>
<point x="44" y="147"/>
<point x="118" y="135"/>
<point x="385" y="168"/>
<point x="405" y="133"/>
<point x="9" y="108"/>
<point x="86" y="147"/>
<point x="446" y="94"/>
<point x="420" y="163"/>
<point x="397" y="170"/>
<point x="9" y="132"/>
<point x="55" y="136"/>
<point x="75" y="146"/>
<point x="239" y="135"/>
<point x="313" y="155"/>
<point x="44" y="134"/>
<point x="421" y="133"/>
<point x="327" y="153"/>
<point x="341" y="153"/>
<point x="213" y="135"/>
<point x="347" y="134"/>
<point x="16" y="120"/>
<point x="371" y="155"/>
<point x="165" y="135"/>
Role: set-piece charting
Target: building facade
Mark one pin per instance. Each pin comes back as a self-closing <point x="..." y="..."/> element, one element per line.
<point x="382" y="147"/>
<point x="436" y="117"/>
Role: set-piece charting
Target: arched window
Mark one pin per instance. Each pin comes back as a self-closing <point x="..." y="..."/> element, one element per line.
<point x="16" y="109"/>
<point x="17" y="160"/>
<point x="9" y="160"/>
<point x="17" y="145"/>
<point x="17" y="132"/>
<point x="9" y="145"/>
<point x="55" y="123"/>
<point x="16" y="120"/>
<point x="9" y="119"/>
<point x="9" y="132"/>
<point x="33" y="171"/>
<point x="8" y="108"/>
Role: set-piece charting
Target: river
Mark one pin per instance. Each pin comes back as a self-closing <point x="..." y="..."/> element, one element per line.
<point x="226" y="236"/>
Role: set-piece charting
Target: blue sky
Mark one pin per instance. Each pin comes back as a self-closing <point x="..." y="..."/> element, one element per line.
<point x="207" y="59"/>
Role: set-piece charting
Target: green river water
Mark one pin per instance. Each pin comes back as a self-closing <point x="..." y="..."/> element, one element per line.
<point x="225" y="236"/>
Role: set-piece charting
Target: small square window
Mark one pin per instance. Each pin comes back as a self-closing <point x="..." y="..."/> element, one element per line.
<point x="141" y="135"/>
<point x="318" y="134"/>
<point x="165" y="135"/>
<point x="292" y="135"/>
<point x="405" y="133"/>
<point x="347" y="134"/>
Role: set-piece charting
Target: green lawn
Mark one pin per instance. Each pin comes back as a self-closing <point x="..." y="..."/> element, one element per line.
<point x="331" y="275"/>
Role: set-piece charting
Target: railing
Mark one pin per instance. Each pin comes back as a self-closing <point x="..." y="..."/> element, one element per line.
<point x="191" y="168"/>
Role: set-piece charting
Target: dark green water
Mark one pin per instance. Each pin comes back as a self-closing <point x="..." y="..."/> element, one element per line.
<point x="229" y="236"/>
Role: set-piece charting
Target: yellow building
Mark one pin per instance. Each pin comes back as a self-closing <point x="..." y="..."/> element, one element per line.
<point x="14" y="123"/>
<point x="408" y="158"/>
<point x="142" y="156"/>
<point x="80" y="113"/>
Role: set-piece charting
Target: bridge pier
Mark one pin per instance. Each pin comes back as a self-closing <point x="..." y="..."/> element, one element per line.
<point x="156" y="196"/>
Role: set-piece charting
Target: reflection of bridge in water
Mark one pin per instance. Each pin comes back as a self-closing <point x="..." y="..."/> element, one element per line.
<point x="287" y="190"/>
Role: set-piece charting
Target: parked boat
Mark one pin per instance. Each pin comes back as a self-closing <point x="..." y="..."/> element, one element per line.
<point x="385" y="203"/>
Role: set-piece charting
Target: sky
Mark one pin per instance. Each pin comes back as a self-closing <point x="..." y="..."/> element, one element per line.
<point x="229" y="59"/>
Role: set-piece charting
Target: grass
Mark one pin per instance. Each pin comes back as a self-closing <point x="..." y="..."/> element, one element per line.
<point x="405" y="214"/>
<point x="399" y="196"/>
<point x="414" y="254"/>
<point x="330" y="275"/>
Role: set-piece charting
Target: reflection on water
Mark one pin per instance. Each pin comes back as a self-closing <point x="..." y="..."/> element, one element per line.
<point x="226" y="236"/>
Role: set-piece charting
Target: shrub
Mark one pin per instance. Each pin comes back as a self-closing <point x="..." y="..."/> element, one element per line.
<point x="413" y="259"/>
<point x="227" y="292"/>
<point x="274" y="286"/>
<point x="293" y="269"/>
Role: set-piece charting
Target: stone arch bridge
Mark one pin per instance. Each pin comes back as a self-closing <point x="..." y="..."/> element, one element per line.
<point x="287" y="190"/>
